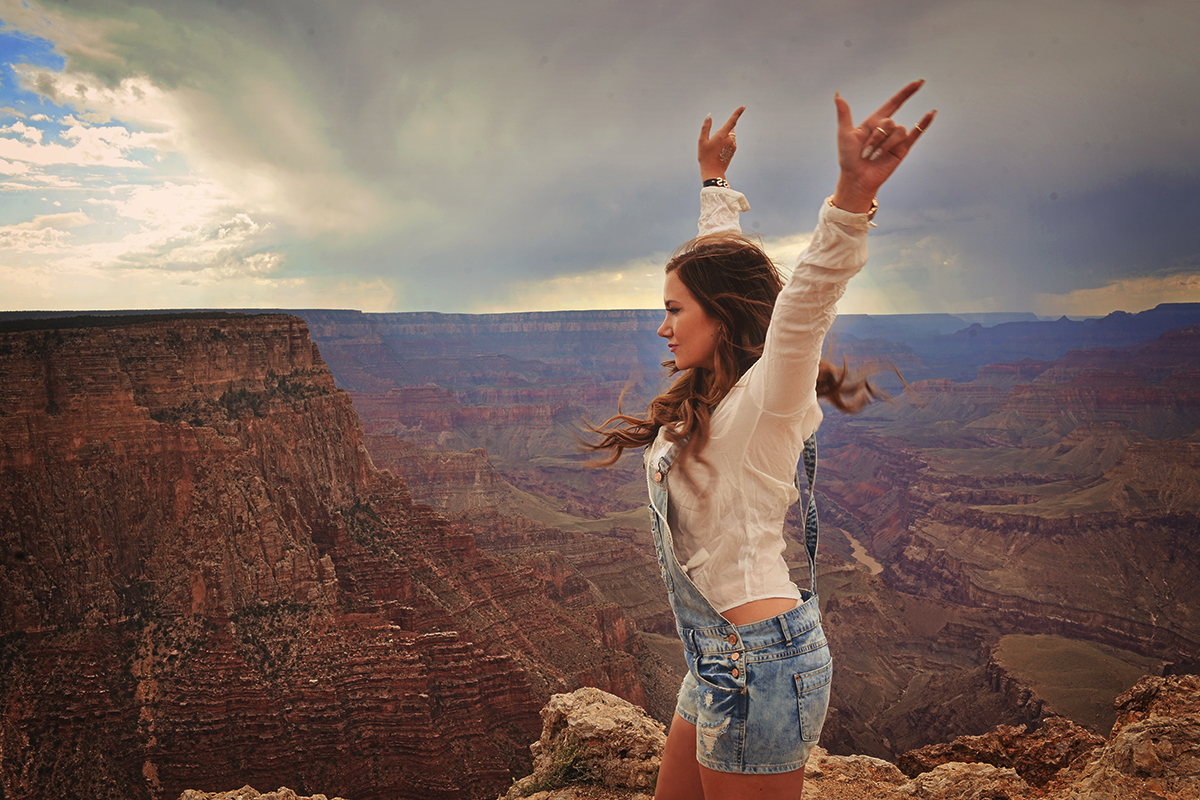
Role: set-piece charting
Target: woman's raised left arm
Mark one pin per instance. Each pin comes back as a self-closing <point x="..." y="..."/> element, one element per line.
<point x="868" y="153"/>
<point x="720" y="206"/>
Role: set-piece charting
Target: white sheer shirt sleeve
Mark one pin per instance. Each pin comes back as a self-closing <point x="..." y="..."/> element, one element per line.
<point x="783" y="382"/>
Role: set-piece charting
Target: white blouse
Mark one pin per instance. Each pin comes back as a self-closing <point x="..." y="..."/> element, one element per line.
<point x="727" y="520"/>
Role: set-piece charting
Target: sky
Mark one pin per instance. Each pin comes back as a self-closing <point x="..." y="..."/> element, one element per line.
<point x="538" y="155"/>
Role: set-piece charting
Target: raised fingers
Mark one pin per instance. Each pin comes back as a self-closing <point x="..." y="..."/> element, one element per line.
<point x="893" y="104"/>
<point x="727" y="128"/>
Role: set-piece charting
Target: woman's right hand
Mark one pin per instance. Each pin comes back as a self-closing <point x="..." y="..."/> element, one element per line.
<point x="716" y="151"/>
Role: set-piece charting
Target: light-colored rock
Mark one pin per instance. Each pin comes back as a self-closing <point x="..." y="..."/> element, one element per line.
<point x="250" y="793"/>
<point x="822" y="766"/>
<point x="592" y="736"/>
<point x="1152" y="758"/>
<point x="958" y="781"/>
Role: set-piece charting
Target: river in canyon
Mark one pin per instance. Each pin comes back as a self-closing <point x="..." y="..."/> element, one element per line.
<point x="862" y="556"/>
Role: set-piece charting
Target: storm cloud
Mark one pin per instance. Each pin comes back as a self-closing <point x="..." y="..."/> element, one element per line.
<point x="473" y="156"/>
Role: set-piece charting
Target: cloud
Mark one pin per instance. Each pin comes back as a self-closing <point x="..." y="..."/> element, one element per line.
<point x="84" y="146"/>
<point x="23" y="131"/>
<point x="468" y="156"/>
<point x="32" y="240"/>
<point x="73" y="219"/>
<point x="635" y="285"/>
<point x="13" y="168"/>
<point x="1130" y="294"/>
<point x="194" y="230"/>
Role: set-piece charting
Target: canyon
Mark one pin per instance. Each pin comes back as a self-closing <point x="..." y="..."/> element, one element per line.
<point x="971" y="489"/>
<point x="205" y="577"/>
<point x="356" y="553"/>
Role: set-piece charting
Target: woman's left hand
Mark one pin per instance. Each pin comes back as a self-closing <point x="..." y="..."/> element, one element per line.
<point x="869" y="153"/>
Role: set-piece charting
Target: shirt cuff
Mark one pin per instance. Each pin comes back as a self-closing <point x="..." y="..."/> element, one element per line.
<point x="849" y="219"/>
<point x="735" y="200"/>
<point x="720" y="209"/>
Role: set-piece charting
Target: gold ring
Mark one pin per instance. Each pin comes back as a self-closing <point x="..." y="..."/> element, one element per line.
<point x="918" y="127"/>
<point x="881" y="130"/>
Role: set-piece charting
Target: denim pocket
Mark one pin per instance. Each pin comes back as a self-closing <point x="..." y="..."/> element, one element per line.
<point x="812" y="694"/>
<point x="719" y="673"/>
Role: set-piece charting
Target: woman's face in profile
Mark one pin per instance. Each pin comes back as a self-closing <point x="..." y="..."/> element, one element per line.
<point x="690" y="332"/>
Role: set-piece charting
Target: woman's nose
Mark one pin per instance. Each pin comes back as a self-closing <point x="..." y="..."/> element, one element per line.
<point x="664" y="330"/>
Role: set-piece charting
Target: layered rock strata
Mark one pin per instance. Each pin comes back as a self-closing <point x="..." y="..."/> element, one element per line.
<point x="971" y="491"/>
<point x="206" y="581"/>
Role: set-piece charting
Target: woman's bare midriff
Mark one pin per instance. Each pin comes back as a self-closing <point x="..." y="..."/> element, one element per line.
<point x="758" y="610"/>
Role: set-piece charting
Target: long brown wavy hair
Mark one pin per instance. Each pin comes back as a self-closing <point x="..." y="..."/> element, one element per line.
<point x="736" y="284"/>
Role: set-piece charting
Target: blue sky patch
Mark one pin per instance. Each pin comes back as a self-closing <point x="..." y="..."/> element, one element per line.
<point x="18" y="48"/>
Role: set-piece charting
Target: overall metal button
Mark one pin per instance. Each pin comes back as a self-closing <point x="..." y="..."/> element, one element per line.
<point x="658" y="477"/>
<point x="735" y="656"/>
<point x="735" y="672"/>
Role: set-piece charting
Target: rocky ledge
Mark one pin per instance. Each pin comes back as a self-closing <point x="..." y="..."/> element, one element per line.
<point x="595" y="746"/>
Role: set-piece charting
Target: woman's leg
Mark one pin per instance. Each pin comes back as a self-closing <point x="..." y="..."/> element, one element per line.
<point x="681" y="778"/>
<point x="679" y="774"/>
<point x="736" y="786"/>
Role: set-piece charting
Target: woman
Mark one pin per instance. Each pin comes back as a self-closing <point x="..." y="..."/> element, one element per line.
<point x="729" y="433"/>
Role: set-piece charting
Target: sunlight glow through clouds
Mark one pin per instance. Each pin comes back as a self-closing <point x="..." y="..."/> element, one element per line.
<point x="636" y="284"/>
<point x="148" y="231"/>
<point x="1132" y="295"/>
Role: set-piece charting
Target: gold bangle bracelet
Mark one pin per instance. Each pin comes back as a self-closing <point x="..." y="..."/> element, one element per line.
<point x="870" y="212"/>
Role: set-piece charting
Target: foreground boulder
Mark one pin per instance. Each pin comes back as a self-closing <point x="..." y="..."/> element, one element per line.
<point x="591" y="736"/>
<point x="1154" y="749"/>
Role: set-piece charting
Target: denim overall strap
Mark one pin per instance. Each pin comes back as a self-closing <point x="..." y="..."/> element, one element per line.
<point x="692" y="609"/>
<point x="809" y="461"/>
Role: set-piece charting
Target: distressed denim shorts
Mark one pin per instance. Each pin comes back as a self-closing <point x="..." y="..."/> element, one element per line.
<point x="757" y="697"/>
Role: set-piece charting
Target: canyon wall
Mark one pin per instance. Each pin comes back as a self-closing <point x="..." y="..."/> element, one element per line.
<point x="205" y="580"/>
<point x="1038" y="478"/>
<point x="1020" y="446"/>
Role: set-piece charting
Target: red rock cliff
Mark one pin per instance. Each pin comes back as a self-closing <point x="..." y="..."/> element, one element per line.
<point x="204" y="579"/>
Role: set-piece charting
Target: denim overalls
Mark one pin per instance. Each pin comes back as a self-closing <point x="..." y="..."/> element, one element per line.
<point x="756" y="693"/>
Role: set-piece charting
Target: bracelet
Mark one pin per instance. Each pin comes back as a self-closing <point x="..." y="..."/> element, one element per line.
<point x="724" y="184"/>
<point x="870" y="212"/>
